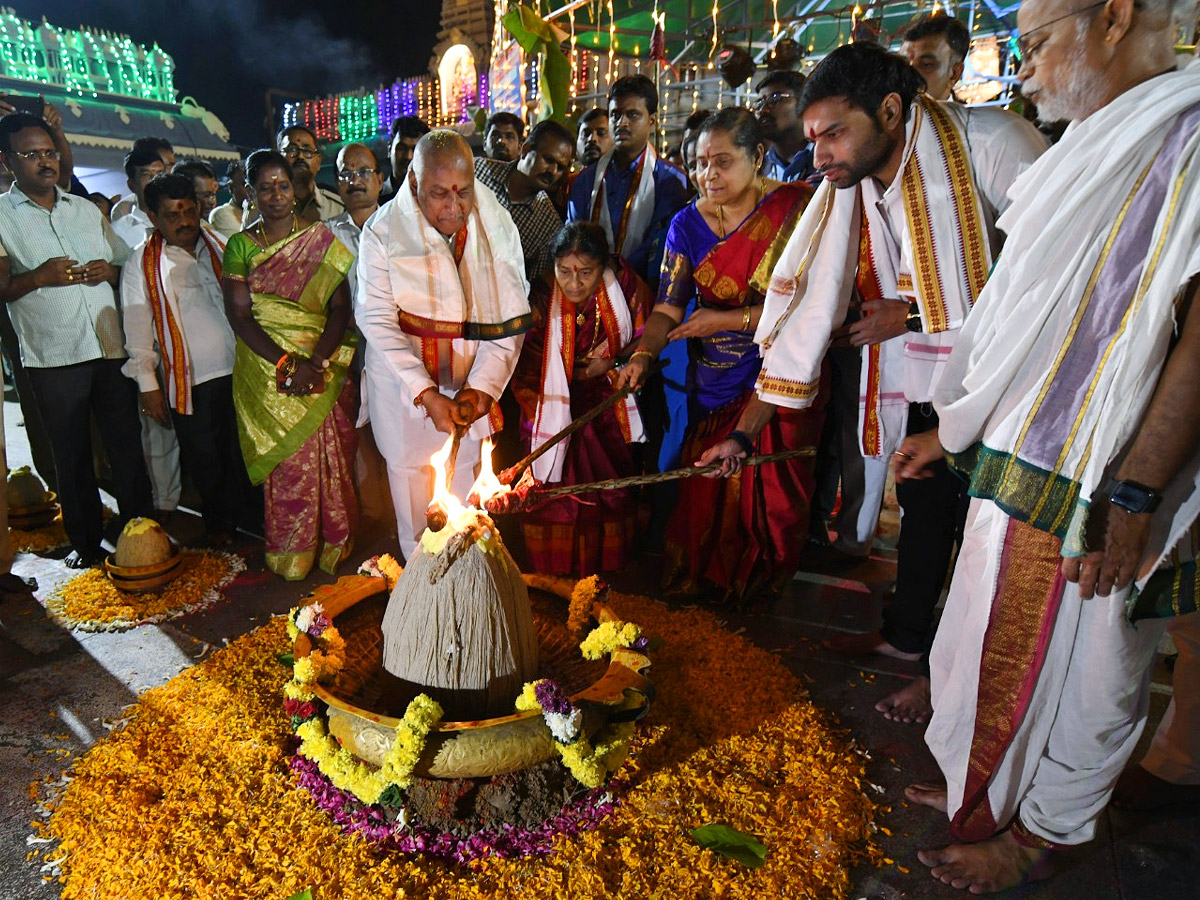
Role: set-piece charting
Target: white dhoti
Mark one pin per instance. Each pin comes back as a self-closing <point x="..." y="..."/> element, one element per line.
<point x="1040" y="739"/>
<point x="161" y="451"/>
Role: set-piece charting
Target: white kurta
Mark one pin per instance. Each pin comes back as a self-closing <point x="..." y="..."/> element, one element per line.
<point x="390" y="273"/>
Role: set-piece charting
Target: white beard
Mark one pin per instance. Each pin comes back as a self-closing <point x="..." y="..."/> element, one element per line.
<point x="1083" y="93"/>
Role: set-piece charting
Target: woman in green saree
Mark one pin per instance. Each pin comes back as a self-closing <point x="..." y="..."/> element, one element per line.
<point x="288" y="303"/>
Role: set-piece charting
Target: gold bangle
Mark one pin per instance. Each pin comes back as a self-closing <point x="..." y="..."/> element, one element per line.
<point x="746" y="318"/>
<point x="640" y="351"/>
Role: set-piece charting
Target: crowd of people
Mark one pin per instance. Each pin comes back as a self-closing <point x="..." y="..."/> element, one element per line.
<point x="860" y="266"/>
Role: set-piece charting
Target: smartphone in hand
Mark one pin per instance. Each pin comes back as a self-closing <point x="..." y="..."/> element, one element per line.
<point x="35" y="106"/>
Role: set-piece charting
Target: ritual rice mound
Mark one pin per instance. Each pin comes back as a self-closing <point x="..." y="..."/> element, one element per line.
<point x="195" y="796"/>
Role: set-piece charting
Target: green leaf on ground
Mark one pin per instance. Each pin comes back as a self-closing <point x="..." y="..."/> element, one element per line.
<point x="745" y="848"/>
<point x="289" y="660"/>
<point x="305" y="894"/>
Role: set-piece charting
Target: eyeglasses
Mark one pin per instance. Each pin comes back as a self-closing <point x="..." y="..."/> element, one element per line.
<point x="348" y="175"/>
<point x="303" y="152"/>
<point x="773" y="99"/>
<point x="1026" y="53"/>
<point x="37" y="154"/>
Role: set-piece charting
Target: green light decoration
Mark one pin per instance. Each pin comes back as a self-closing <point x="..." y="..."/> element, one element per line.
<point x="358" y="117"/>
<point x="85" y="62"/>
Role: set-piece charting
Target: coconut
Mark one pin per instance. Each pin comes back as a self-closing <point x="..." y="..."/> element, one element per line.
<point x="458" y="623"/>
<point x="143" y="542"/>
<point x="25" y="489"/>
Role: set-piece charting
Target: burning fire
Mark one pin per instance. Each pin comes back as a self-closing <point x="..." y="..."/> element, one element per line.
<point x="445" y="508"/>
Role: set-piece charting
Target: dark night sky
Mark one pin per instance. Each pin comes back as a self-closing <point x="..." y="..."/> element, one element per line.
<point x="229" y="52"/>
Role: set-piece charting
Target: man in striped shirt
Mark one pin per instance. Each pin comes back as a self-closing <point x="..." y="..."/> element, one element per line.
<point x="59" y="263"/>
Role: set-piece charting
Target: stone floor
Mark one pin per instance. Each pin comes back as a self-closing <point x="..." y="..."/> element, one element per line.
<point x="66" y="688"/>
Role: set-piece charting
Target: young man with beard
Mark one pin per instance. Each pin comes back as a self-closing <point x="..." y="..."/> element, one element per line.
<point x="789" y="157"/>
<point x="174" y="317"/>
<point x="904" y="227"/>
<point x="302" y="150"/>
<point x="1070" y="403"/>
<point x="594" y="138"/>
<point x="59" y="263"/>
<point x="502" y="136"/>
<point x="523" y="187"/>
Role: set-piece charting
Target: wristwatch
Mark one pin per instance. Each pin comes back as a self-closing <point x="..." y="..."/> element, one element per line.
<point x="1131" y="496"/>
<point x="913" y="320"/>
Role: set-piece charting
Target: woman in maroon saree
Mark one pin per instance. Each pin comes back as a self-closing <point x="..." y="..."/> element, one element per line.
<point x="745" y="533"/>
<point x="586" y="311"/>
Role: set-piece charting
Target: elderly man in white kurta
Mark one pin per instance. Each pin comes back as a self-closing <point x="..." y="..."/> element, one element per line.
<point x="1070" y="402"/>
<point x="443" y="305"/>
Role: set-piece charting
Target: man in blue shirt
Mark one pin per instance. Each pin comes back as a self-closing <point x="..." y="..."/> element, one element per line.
<point x="789" y="158"/>
<point x="629" y="191"/>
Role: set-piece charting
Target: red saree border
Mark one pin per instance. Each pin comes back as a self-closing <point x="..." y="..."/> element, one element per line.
<point x="866" y="282"/>
<point x="1025" y="604"/>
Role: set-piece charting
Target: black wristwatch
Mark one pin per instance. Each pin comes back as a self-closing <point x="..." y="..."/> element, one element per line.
<point x="913" y="320"/>
<point x="1131" y="496"/>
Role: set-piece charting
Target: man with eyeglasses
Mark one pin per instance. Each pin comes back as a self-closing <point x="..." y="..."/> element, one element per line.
<point x="1071" y="404"/>
<point x="302" y="150"/>
<point x="204" y="180"/>
<point x="523" y="185"/>
<point x="789" y="156"/>
<point x="59" y="263"/>
<point x="359" y="184"/>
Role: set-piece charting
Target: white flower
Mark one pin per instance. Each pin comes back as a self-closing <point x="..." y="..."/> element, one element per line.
<point x="308" y="615"/>
<point x="564" y="728"/>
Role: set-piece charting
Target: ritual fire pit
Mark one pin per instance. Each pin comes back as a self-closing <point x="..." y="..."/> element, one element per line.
<point x="460" y="695"/>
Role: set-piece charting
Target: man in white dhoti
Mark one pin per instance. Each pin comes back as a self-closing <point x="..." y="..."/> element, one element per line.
<point x="443" y="304"/>
<point x="889" y="256"/>
<point x="1070" y="402"/>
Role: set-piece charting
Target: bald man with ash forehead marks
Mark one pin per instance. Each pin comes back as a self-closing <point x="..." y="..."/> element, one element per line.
<point x="442" y="303"/>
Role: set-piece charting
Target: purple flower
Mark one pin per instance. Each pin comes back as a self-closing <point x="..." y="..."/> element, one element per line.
<point x="552" y="699"/>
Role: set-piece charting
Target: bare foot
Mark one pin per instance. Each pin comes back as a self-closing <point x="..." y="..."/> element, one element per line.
<point x="910" y="705"/>
<point x="1138" y="790"/>
<point x="79" y="560"/>
<point x="997" y="864"/>
<point x="928" y="794"/>
<point x="865" y="645"/>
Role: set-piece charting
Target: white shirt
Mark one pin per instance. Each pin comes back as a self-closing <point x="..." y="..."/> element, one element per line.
<point x="348" y="233"/>
<point x="1001" y="146"/>
<point x="134" y="228"/>
<point x="226" y="219"/>
<point x="75" y="323"/>
<point x="194" y="292"/>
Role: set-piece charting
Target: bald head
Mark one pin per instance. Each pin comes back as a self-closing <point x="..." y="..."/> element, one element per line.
<point x="1078" y="58"/>
<point x="442" y="148"/>
<point x="442" y="176"/>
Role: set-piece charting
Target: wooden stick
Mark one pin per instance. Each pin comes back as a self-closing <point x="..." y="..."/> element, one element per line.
<point x="657" y="478"/>
<point x="514" y="472"/>
<point x="456" y="439"/>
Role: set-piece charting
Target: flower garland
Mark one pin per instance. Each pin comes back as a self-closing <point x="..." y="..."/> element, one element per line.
<point x="383" y="785"/>
<point x="583" y="598"/>
<point x="91" y="602"/>
<point x="382" y="566"/>
<point x="197" y="783"/>
<point x="588" y="765"/>
<point x="608" y="636"/>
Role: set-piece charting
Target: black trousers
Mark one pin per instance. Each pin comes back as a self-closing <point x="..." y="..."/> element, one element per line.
<point x="209" y="451"/>
<point x="934" y="514"/>
<point x="67" y="397"/>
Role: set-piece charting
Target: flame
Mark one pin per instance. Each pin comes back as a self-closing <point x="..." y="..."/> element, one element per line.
<point x="441" y="487"/>
<point x="487" y="485"/>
